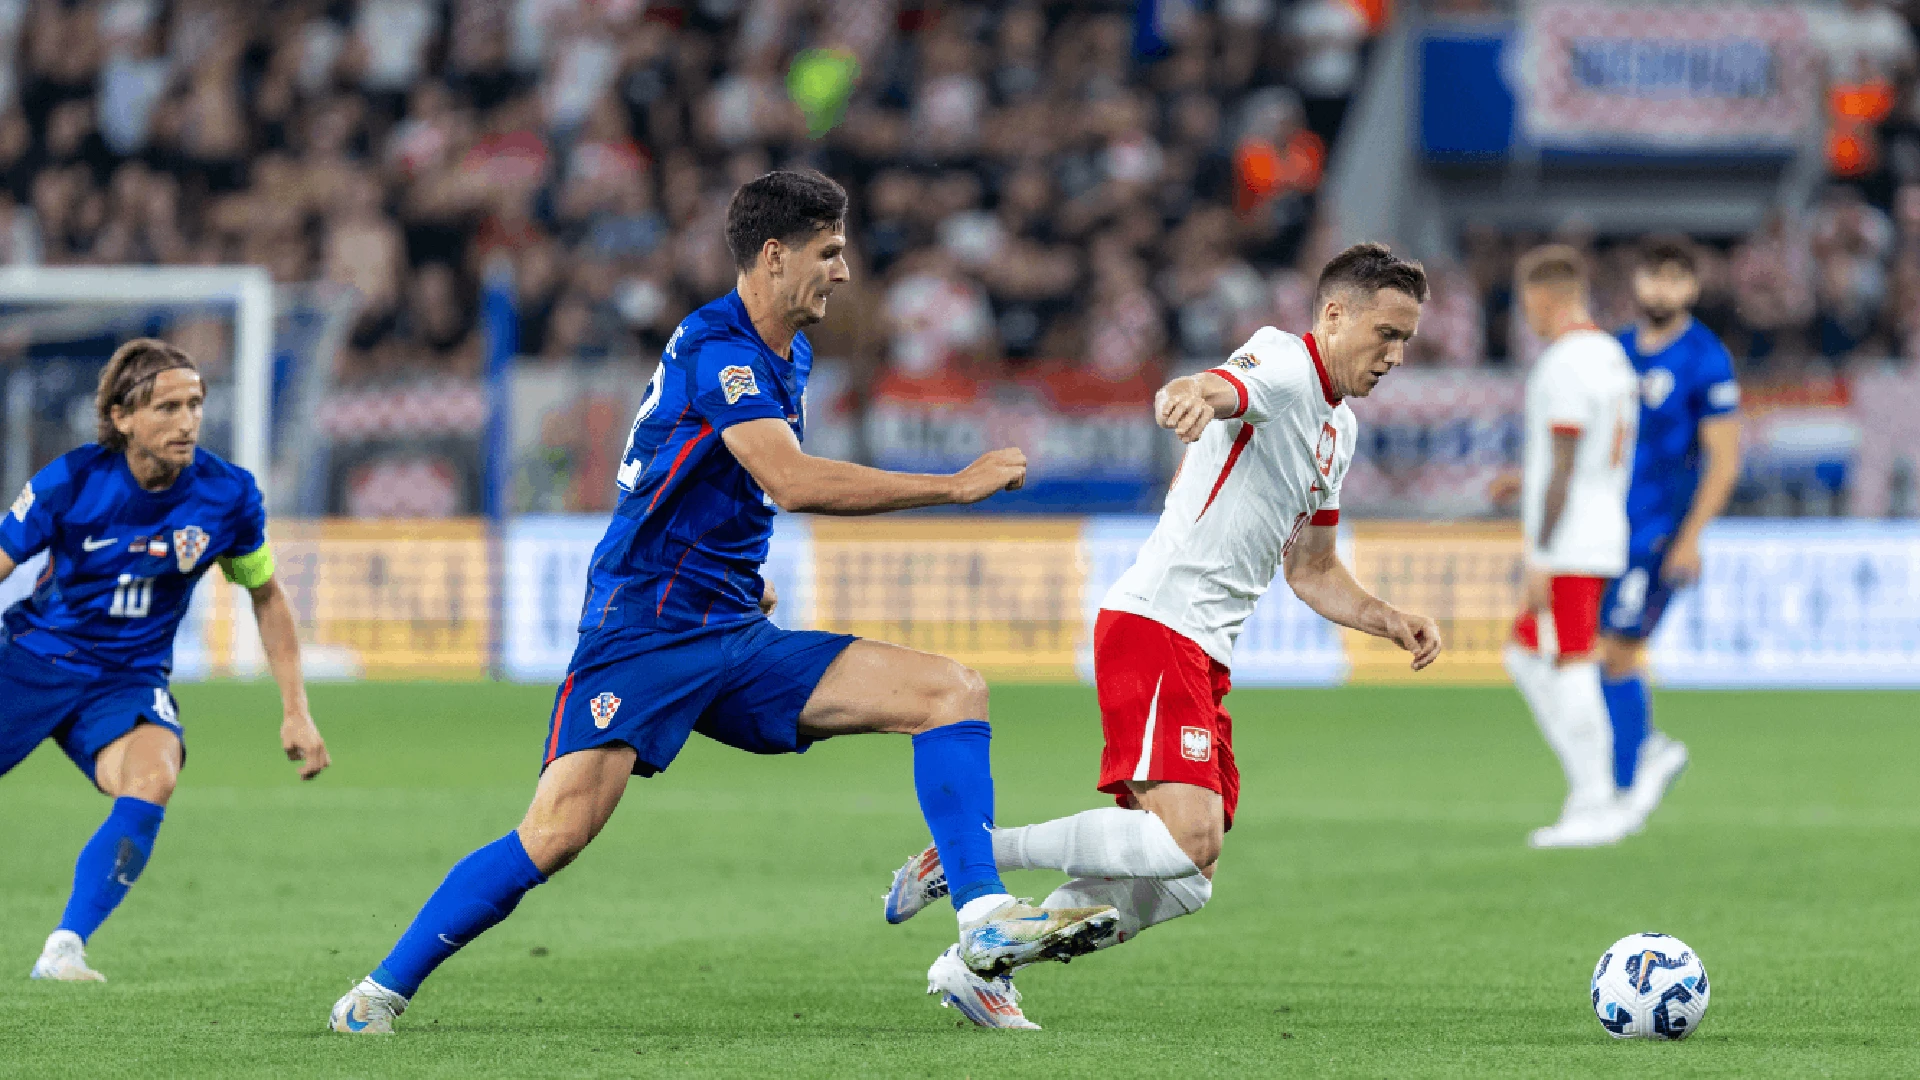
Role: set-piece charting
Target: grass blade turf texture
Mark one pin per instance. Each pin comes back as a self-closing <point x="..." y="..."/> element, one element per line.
<point x="1377" y="912"/>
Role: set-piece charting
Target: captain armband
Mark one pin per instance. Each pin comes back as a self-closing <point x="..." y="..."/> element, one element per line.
<point x="249" y="571"/>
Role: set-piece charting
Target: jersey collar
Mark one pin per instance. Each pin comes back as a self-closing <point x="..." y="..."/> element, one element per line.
<point x="1320" y="369"/>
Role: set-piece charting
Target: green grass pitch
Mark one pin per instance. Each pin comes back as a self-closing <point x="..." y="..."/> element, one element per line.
<point x="1376" y="914"/>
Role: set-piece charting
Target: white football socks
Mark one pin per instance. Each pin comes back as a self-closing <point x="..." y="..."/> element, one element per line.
<point x="1580" y="713"/>
<point x="1533" y="677"/>
<point x="1140" y="902"/>
<point x="982" y="906"/>
<point x="1108" y="842"/>
<point x="1572" y="714"/>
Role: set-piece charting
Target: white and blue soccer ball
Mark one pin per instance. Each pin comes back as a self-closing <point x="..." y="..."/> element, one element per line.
<point x="1650" y="986"/>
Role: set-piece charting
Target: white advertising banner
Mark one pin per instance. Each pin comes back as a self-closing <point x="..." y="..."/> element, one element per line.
<point x="1798" y="603"/>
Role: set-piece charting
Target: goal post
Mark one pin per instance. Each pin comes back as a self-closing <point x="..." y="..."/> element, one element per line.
<point x="112" y="303"/>
<point x="248" y="288"/>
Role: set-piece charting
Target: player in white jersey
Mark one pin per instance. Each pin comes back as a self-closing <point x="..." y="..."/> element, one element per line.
<point x="1583" y="411"/>
<point x="1258" y="493"/>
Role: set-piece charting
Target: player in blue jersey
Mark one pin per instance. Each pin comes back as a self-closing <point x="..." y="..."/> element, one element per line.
<point x="129" y="524"/>
<point x="1684" y="470"/>
<point x="674" y="637"/>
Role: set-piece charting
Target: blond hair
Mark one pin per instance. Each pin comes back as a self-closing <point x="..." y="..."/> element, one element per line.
<point x="1553" y="264"/>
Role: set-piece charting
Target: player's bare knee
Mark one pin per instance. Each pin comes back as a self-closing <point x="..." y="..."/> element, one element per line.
<point x="954" y="692"/>
<point x="552" y="844"/>
<point x="1619" y="659"/>
<point x="154" y="784"/>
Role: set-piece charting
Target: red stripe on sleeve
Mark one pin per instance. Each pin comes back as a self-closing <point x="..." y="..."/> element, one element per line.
<point x="1240" y="442"/>
<point x="1238" y="388"/>
<point x="1567" y="429"/>
<point x="1325" y="517"/>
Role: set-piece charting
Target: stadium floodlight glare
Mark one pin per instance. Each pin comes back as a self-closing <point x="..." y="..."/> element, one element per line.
<point x="248" y="288"/>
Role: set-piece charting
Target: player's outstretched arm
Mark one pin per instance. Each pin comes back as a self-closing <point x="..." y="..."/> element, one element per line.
<point x="1189" y="403"/>
<point x="798" y="482"/>
<point x="7" y="566"/>
<point x="1317" y="576"/>
<point x="280" y="640"/>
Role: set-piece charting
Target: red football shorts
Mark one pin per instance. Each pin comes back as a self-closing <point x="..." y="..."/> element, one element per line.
<point x="1576" y="616"/>
<point x="1160" y="696"/>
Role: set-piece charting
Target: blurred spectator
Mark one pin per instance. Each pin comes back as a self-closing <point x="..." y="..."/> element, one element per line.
<point x="1326" y="40"/>
<point x="1024" y="187"/>
<point x="1277" y="164"/>
<point x="940" y="319"/>
<point x="1773" y="283"/>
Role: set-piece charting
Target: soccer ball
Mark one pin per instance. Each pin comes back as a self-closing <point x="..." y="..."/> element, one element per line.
<point x="1649" y="986"/>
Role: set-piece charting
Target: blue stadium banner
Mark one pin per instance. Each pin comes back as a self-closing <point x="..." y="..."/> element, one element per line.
<point x="1667" y="78"/>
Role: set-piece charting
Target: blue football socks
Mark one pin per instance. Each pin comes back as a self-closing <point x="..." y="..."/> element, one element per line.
<point x="953" y="775"/>
<point x="479" y="891"/>
<point x="1627" y="707"/>
<point x="110" y="863"/>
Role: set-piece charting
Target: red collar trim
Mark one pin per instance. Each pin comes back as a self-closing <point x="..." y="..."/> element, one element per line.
<point x="1326" y="384"/>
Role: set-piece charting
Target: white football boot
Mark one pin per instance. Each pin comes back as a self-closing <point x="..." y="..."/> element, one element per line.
<point x="1583" y="826"/>
<point x="1662" y="760"/>
<point x="915" y="885"/>
<point x="989" y="1003"/>
<point x="1016" y="934"/>
<point x="367" y="1009"/>
<point x="64" y="959"/>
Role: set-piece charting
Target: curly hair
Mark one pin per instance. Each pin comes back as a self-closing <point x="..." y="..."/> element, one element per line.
<point x="127" y="382"/>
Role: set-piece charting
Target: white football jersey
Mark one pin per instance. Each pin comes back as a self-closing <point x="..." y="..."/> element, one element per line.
<point x="1584" y="384"/>
<point x="1244" y="492"/>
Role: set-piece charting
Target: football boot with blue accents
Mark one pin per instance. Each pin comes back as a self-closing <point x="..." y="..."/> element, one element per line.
<point x="915" y="885"/>
<point x="367" y="1009"/>
<point x="1016" y="934"/>
<point x="989" y="1003"/>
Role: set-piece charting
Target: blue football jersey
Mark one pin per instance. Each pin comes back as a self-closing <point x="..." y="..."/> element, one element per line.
<point x="691" y="528"/>
<point x="1688" y="381"/>
<point x="122" y="561"/>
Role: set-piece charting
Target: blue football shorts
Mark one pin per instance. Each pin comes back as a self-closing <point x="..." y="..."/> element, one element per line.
<point x="742" y="684"/>
<point x="1637" y="599"/>
<point x="83" y="712"/>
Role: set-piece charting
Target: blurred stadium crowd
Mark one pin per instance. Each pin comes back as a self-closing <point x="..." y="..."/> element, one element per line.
<point x="1104" y="188"/>
<point x="1022" y="180"/>
<point x="1029" y="180"/>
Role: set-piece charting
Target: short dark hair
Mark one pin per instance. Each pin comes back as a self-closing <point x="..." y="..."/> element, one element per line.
<point x="127" y="382"/>
<point x="1553" y="264"/>
<point x="788" y="205"/>
<point x="1664" y="249"/>
<point x="1370" y="267"/>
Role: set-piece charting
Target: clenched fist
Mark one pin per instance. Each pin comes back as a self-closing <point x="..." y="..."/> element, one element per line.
<point x="994" y="471"/>
<point x="1181" y="407"/>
